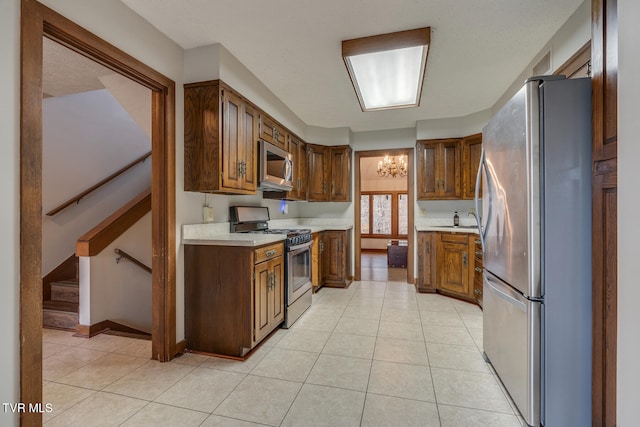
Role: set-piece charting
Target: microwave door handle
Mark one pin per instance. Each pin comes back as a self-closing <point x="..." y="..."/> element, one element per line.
<point x="287" y="170"/>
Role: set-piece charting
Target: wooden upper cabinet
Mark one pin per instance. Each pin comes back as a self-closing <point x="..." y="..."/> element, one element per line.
<point x="450" y="170"/>
<point x="220" y="144"/>
<point x="303" y="174"/>
<point x="298" y="149"/>
<point x="318" y="173"/>
<point x="438" y="169"/>
<point x="471" y="152"/>
<point x="329" y="173"/>
<point x="340" y="174"/>
<point x="273" y="132"/>
<point x="426" y="170"/>
<point x="251" y="125"/>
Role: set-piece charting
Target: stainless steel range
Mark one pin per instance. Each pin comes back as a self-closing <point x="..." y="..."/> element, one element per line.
<point x="297" y="283"/>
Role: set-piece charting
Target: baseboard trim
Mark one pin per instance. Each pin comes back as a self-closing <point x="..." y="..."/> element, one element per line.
<point x="89" y="331"/>
<point x="180" y="347"/>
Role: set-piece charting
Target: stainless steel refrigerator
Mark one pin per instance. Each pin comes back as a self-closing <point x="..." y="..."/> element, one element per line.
<point x="536" y="232"/>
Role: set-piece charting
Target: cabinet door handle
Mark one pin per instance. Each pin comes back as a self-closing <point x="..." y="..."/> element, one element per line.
<point x="271" y="280"/>
<point x="478" y="269"/>
<point x="270" y="252"/>
<point x="333" y="187"/>
<point x="477" y="242"/>
<point x="464" y="259"/>
<point x="426" y="247"/>
<point x="478" y="252"/>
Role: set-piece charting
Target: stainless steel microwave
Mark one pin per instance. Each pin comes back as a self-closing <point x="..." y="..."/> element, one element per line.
<point x="276" y="168"/>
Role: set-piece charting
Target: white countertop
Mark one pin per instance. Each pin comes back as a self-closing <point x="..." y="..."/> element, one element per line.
<point x="218" y="233"/>
<point x="467" y="225"/>
<point x="447" y="229"/>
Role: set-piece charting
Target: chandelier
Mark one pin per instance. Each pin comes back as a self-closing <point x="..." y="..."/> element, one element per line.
<point x="389" y="168"/>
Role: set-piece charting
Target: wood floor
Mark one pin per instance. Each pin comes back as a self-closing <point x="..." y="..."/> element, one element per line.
<point x="375" y="269"/>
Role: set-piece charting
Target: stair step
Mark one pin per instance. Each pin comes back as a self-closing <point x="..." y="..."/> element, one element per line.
<point x="71" y="307"/>
<point x="65" y="290"/>
<point x="60" y="314"/>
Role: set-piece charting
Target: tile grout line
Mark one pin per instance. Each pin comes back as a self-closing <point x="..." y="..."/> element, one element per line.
<point x="433" y="385"/>
<point x="375" y="343"/>
<point x="314" y="364"/>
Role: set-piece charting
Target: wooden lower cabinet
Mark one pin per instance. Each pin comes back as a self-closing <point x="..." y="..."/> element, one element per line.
<point x="452" y="264"/>
<point x="234" y="297"/>
<point x="336" y="258"/>
<point x="446" y="264"/>
<point x="427" y="261"/>
<point x="331" y="259"/>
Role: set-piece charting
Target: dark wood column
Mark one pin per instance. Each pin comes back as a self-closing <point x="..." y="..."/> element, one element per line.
<point x="604" y="53"/>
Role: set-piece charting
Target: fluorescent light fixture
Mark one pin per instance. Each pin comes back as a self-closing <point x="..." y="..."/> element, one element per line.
<point x="387" y="70"/>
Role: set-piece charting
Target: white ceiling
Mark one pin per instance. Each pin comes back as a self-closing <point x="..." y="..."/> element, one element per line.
<point x="478" y="48"/>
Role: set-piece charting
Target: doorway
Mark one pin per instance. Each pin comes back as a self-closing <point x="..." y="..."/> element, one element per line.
<point x="38" y="22"/>
<point x="383" y="221"/>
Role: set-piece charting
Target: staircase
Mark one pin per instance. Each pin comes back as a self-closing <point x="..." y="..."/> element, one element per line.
<point x="60" y="311"/>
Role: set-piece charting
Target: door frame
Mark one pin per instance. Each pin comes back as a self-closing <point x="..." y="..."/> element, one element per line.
<point x="409" y="152"/>
<point x="38" y="21"/>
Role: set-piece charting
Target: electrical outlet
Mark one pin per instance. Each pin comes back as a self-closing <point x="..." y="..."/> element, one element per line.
<point x="422" y="212"/>
<point x="207" y="214"/>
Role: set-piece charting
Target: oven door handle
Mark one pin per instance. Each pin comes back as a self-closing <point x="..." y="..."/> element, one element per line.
<point x="300" y="247"/>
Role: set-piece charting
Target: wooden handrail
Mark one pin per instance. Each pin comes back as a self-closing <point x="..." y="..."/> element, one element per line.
<point x="98" y="238"/>
<point x="131" y="258"/>
<point x="78" y="197"/>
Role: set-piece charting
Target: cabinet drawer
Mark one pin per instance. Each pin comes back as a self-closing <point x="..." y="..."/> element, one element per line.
<point x="267" y="252"/>
<point x="455" y="237"/>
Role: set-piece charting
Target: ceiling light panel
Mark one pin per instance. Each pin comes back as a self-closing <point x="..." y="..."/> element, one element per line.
<point x="387" y="70"/>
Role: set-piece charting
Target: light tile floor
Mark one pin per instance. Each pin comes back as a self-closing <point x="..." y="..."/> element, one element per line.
<point x="375" y="354"/>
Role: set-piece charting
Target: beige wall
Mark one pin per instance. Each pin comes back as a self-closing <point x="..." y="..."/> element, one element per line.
<point x="10" y="196"/>
<point x="628" y="381"/>
<point x="371" y="181"/>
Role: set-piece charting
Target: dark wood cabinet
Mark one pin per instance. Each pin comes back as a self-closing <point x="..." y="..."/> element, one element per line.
<point x="453" y="262"/>
<point x="447" y="264"/>
<point x="427" y="261"/>
<point x="604" y="84"/>
<point x="234" y="297"/>
<point x="268" y="294"/>
<point x="477" y="271"/>
<point x="318" y="172"/>
<point x="303" y="173"/>
<point x="333" y="262"/>
<point x="273" y="132"/>
<point x="471" y="152"/>
<point x="438" y="169"/>
<point x="329" y="173"/>
<point x="220" y="140"/>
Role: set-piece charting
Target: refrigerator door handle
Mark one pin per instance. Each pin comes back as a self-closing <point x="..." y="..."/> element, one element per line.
<point x="477" y="200"/>
<point x="507" y="294"/>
